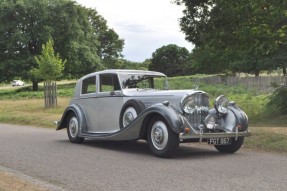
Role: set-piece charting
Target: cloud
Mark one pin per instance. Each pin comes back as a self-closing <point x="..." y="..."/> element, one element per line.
<point x="145" y="25"/>
<point x="134" y="28"/>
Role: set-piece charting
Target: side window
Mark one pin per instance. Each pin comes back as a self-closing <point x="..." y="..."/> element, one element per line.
<point x="89" y="85"/>
<point x="109" y="82"/>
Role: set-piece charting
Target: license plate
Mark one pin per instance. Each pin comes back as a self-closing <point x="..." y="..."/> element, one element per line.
<point x="219" y="141"/>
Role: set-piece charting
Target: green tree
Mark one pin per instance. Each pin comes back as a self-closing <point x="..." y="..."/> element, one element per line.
<point x="27" y="24"/>
<point x="145" y="64"/>
<point x="135" y="65"/>
<point x="75" y="39"/>
<point x="277" y="101"/>
<point x="20" y="34"/>
<point x="171" y="60"/>
<point x="243" y="34"/>
<point x="126" y="64"/>
<point x="110" y="45"/>
<point x="210" y="63"/>
<point x="50" y="66"/>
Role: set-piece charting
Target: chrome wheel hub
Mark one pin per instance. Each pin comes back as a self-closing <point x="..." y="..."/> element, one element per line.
<point x="129" y="118"/>
<point x="159" y="135"/>
<point x="129" y="115"/>
<point x="73" y="127"/>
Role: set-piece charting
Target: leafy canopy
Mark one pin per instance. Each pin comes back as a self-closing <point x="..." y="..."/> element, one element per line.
<point x="80" y="36"/>
<point x="171" y="60"/>
<point x="50" y="66"/>
<point x="245" y="35"/>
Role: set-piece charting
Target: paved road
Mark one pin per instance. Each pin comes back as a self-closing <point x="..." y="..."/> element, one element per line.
<point x="48" y="156"/>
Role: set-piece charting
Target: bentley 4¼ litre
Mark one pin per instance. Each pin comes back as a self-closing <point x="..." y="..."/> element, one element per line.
<point x="133" y="104"/>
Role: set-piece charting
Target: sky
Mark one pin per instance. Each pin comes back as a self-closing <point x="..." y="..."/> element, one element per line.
<point x="145" y="25"/>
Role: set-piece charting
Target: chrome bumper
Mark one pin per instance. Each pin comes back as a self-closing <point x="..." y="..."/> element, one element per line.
<point x="201" y="136"/>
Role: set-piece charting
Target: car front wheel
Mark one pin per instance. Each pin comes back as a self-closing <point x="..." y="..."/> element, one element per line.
<point x="233" y="147"/>
<point x="73" y="130"/>
<point x="162" y="140"/>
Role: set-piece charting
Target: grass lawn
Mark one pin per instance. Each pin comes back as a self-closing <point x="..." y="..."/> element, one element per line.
<point x="267" y="139"/>
<point x="31" y="112"/>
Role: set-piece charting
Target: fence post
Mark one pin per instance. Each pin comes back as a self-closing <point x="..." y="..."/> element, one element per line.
<point x="45" y="94"/>
<point x="50" y="94"/>
<point x="56" y="97"/>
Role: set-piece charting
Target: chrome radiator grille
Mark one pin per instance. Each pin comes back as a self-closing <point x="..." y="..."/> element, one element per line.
<point x="202" y="107"/>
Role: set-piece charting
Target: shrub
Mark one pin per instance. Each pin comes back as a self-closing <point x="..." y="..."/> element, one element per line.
<point x="278" y="101"/>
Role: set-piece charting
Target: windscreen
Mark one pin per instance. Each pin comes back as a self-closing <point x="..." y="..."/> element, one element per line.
<point x="141" y="81"/>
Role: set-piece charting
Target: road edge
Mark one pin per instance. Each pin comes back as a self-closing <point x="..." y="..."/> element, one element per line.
<point x="31" y="180"/>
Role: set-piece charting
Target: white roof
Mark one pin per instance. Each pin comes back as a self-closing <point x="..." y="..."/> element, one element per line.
<point x="117" y="71"/>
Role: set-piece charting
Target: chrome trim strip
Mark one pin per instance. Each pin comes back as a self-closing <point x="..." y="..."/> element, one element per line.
<point x="213" y="135"/>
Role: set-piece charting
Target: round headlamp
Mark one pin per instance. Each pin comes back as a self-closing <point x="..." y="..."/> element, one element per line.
<point x="188" y="104"/>
<point x="210" y="122"/>
<point x="221" y="104"/>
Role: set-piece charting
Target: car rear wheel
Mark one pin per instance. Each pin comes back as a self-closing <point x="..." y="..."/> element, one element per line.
<point x="73" y="130"/>
<point x="131" y="109"/>
<point x="232" y="148"/>
<point x="162" y="140"/>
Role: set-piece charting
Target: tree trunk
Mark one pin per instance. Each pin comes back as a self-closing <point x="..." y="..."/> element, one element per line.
<point x="35" y="86"/>
<point x="257" y="73"/>
<point x="284" y="70"/>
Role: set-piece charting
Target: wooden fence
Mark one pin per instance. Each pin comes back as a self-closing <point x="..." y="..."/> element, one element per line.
<point x="50" y="93"/>
<point x="260" y="84"/>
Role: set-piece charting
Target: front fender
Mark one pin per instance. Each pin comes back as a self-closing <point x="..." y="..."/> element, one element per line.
<point x="235" y="118"/>
<point x="78" y="111"/>
<point x="242" y="119"/>
<point x="170" y="115"/>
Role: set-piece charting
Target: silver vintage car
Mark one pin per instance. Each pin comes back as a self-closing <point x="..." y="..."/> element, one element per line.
<point x="132" y="104"/>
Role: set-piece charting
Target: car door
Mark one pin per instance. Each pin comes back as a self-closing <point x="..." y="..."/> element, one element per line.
<point x="88" y="101"/>
<point x="109" y="103"/>
<point x="101" y="99"/>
